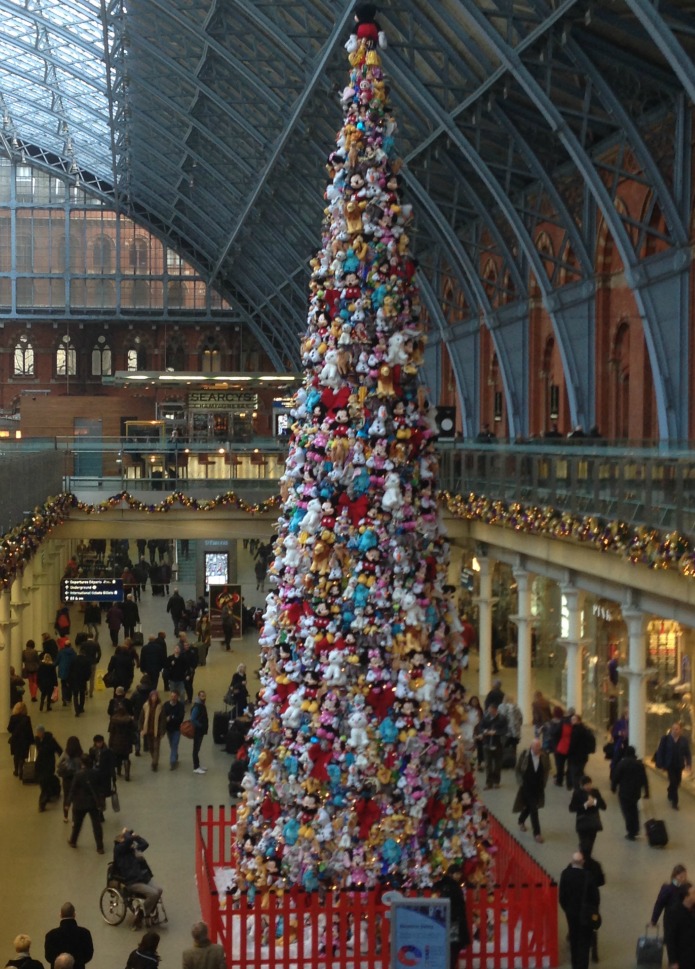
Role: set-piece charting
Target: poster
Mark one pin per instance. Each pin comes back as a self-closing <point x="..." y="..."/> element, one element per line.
<point x="220" y="596"/>
<point x="420" y="933"/>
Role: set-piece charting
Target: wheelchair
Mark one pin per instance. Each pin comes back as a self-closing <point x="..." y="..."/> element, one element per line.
<point x="117" y="900"/>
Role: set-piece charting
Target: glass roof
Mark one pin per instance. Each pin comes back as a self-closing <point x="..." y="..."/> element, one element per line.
<point x="53" y="82"/>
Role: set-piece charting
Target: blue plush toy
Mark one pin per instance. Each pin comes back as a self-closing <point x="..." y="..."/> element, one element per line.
<point x="290" y="832"/>
<point x="388" y="731"/>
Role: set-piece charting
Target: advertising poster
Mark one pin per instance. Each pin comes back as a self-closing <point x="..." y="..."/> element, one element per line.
<point x="420" y="933"/>
<point x="225" y="596"/>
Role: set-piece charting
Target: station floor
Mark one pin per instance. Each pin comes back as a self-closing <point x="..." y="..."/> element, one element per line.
<point x="40" y="871"/>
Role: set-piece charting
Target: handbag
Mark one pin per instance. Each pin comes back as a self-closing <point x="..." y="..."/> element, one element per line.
<point x="188" y="729"/>
<point x="115" y="800"/>
<point x="99" y="680"/>
<point x="55" y="695"/>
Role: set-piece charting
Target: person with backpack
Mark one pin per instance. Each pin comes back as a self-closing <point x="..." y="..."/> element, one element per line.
<point x="582" y="744"/>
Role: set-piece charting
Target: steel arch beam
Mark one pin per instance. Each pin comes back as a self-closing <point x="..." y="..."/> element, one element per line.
<point x="663" y="37"/>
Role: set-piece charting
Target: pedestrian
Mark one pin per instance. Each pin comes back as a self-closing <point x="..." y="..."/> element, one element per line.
<point x="151" y="725"/>
<point x="449" y="886"/>
<point x="121" y="727"/>
<point x="595" y="868"/>
<point x="172" y="715"/>
<point x="199" y="718"/>
<point x="66" y="657"/>
<point x="69" y="763"/>
<point x="92" y="650"/>
<point x="532" y="770"/>
<point x="138" y="700"/>
<point x="69" y="937"/>
<point x="541" y="712"/>
<point x="175" y="607"/>
<point x="47" y="749"/>
<point x="495" y="695"/>
<point x="629" y="780"/>
<point x="84" y="800"/>
<point x="237" y="696"/>
<point x="587" y="804"/>
<point x="49" y="645"/>
<point x="21" y="737"/>
<point x="130" y="866"/>
<point x="62" y="621"/>
<point x="104" y="765"/>
<point x="92" y="619"/>
<point x="114" y="620"/>
<point x="80" y="672"/>
<point x="22" y="944"/>
<point x="582" y="744"/>
<point x="227" y="619"/>
<point x="474" y="714"/>
<point x="559" y="738"/>
<point x="579" y="899"/>
<point x="152" y="659"/>
<point x="204" y="954"/>
<point x="673" y="756"/>
<point x="31" y="660"/>
<point x="669" y="898"/>
<point x="515" y="718"/>
<point x="16" y="688"/>
<point x="620" y="732"/>
<point x="121" y="668"/>
<point x="175" y="668"/>
<point x="680" y="941"/>
<point x="492" y="729"/>
<point x="131" y="616"/>
<point x="190" y="655"/>
<point x="47" y="680"/>
<point x="145" y="956"/>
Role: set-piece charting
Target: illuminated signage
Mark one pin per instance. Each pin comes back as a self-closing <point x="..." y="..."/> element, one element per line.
<point x="230" y="400"/>
<point x="91" y="590"/>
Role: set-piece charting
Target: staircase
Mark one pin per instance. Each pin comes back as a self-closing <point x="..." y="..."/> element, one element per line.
<point x="187" y="566"/>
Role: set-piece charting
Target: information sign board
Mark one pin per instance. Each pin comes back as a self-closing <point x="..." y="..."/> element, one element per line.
<point x="91" y="590"/>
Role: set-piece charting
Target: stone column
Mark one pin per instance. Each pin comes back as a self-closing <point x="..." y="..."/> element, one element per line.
<point x="523" y="625"/>
<point x="484" y="601"/>
<point x="636" y="675"/>
<point x="573" y="646"/>
<point x="4" y="655"/>
<point x="16" y="640"/>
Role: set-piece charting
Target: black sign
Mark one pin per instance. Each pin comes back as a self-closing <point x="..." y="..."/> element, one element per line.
<point x="88" y="590"/>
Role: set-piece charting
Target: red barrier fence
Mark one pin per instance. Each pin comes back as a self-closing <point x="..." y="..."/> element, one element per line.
<point x="513" y="925"/>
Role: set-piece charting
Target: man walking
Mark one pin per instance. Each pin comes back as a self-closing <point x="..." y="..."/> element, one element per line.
<point x="673" y="756"/>
<point x="680" y="934"/>
<point x="70" y="938"/>
<point x="199" y="718"/>
<point x="172" y="714"/>
<point x="175" y="607"/>
<point x="85" y="799"/>
<point x="629" y="780"/>
<point x="579" y="897"/>
<point x="492" y="730"/>
<point x="532" y="770"/>
<point x="204" y="954"/>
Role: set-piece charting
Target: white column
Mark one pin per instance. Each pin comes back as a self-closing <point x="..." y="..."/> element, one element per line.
<point x="523" y="625"/>
<point x="484" y="601"/>
<point x="4" y="654"/>
<point x="29" y="589"/>
<point x="16" y="641"/>
<point x="636" y="675"/>
<point x="573" y="646"/>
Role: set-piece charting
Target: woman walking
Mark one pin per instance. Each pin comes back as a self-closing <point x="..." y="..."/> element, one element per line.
<point x="152" y="726"/>
<point x="47" y="680"/>
<point x="21" y="736"/>
<point x="30" y="666"/>
<point x="69" y="763"/>
<point x="121" y="738"/>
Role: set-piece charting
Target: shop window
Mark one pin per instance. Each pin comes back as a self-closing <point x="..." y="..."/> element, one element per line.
<point x="24" y="358"/>
<point x="66" y="358"/>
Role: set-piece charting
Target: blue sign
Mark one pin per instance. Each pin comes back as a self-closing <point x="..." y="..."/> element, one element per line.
<point x="420" y="933"/>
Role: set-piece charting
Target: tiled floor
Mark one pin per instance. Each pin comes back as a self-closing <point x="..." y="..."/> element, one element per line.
<point x="39" y="871"/>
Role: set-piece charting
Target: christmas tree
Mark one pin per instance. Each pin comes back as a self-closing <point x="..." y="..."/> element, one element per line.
<point x="358" y="774"/>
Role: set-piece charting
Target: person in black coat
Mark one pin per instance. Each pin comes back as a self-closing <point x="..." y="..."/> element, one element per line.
<point x="80" y="672"/>
<point x="629" y="780"/>
<point x="673" y="756"/>
<point x="146" y="955"/>
<point x="131" y="615"/>
<point x="22" y="944"/>
<point x="92" y="650"/>
<point x="121" y="669"/>
<point x="582" y="745"/>
<point x="449" y="886"/>
<point x="175" y="607"/>
<point x="21" y="736"/>
<point x="47" y="749"/>
<point x="152" y="659"/>
<point x="47" y="681"/>
<point x="104" y="765"/>
<point x="69" y="937"/>
<point x="130" y="867"/>
<point x="680" y="937"/>
<point x="578" y="895"/>
<point x="84" y="799"/>
<point x="586" y="803"/>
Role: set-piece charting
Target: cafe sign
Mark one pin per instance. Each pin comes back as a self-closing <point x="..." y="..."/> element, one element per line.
<point x="228" y="400"/>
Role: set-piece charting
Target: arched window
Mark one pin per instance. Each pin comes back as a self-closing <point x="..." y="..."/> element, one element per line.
<point x="176" y="294"/>
<point x="101" y="358"/>
<point x="102" y="255"/>
<point x="210" y="358"/>
<point x="136" y="357"/>
<point x="66" y="358"/>
<point x="24" y="358"/>
<point x="175" y="356"/>
<point x="138" y="255"/>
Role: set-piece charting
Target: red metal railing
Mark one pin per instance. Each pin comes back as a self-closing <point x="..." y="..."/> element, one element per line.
<point x="513" y="924"/>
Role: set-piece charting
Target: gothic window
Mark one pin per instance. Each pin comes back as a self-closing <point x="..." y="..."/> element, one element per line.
<point x="23" y="358"/>
<point x="66" y="358"/>
<point x="101" y="358"/>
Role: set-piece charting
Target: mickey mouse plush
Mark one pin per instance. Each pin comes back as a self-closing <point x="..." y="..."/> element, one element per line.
<point x="367" y="26"/>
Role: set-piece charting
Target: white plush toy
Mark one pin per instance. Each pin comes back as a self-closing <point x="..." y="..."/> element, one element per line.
<point x="293" y="555"/>
<point x="334" y="675"/>
<point x="428" y="689"/>
<point x="358" y="728"/>
<point x="292" y="717"/>
<point x="392" y="497"/>
<point x="412" y="611"/>
<point x="397" y="354"/>
<point x="312" y="518"/>
<point x="330" y="372"/>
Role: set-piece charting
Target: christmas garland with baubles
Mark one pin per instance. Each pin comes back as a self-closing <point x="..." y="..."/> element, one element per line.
<point x="357" y="773"/>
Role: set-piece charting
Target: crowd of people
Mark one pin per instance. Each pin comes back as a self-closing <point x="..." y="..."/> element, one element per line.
<point x="70" y="946"/>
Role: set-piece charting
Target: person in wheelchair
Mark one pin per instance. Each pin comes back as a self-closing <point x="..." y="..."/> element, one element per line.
<point x="129" y="866"/>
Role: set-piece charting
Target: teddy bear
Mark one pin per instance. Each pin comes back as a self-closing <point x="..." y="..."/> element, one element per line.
<point x="333" y="674"/>
<point x="397" y="355"/>
<point x="357" y="721"/>
<point x="392" y="497"/>
<point x="292" y="716"/>
<point x="312" y="518"/>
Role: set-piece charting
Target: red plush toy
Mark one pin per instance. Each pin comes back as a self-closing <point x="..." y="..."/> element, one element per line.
<point x="365" y="18"/>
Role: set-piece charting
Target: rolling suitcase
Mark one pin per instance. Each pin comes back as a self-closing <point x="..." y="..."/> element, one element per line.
<point x="29" y="767"/>
<point x="650" y="948"/>
<point x="220" y="726"/>
<point x="657" y="835"/>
